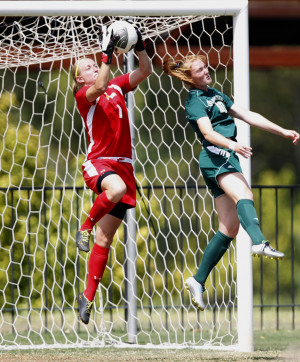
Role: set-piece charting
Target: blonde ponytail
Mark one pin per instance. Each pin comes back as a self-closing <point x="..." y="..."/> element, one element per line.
<point x="181" y="69"/>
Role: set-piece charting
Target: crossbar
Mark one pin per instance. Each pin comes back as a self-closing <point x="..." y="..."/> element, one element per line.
<point x="122" y="8"/>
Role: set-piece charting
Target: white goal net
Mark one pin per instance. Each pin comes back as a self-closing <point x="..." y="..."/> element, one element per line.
<point x="141" y="299"/>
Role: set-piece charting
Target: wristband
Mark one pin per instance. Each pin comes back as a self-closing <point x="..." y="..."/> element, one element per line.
<point x="231" y="145"/>
<point x="106" y="58"/>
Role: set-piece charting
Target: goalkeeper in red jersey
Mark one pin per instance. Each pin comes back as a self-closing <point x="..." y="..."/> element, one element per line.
<point x="108" y="169"/>
<point x="211" y="113"/>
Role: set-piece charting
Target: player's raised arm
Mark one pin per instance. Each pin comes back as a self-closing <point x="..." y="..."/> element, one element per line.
<point x="145" y="66"/>
<point x="109" y="41"/>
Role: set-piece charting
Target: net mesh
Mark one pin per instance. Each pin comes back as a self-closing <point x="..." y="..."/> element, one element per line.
<point x="44" y="200"/>
<point x="29" y="40"/>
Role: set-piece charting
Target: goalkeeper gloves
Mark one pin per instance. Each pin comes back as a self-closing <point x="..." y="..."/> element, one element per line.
<point x="109" y="41"/>
<point x="140" y="45"/>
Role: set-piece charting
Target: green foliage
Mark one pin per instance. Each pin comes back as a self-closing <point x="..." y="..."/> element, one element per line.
<point x="278" y="210"/>
<point x="275" y="94"/>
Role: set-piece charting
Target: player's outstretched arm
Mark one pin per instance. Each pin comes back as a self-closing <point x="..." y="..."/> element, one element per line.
<point x="257" y="120"/>
<point x="145" y="66"/>
<point x="109" y="41"/>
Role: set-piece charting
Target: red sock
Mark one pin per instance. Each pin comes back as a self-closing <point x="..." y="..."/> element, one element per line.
<point x="101" y="207"/>
<point x="97" y="265"/>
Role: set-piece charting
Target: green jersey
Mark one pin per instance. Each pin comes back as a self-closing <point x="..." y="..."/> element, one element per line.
<point x="214" y="105"/>
<point x="213" y="160"/>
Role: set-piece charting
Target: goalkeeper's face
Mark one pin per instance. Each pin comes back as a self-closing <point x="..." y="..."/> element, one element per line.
<point x="88" y="72"/>
<point x="200" y="74"/>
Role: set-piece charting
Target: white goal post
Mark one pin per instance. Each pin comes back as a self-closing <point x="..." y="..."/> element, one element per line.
<point x="143" y="290"/>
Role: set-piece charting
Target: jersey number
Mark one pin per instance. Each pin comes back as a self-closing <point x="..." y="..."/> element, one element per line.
<point x="120" y="111"/>
<point x="221" y="107"/>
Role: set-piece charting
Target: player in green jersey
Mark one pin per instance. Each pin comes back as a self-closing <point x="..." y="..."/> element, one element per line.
<point x="211" y="114"/>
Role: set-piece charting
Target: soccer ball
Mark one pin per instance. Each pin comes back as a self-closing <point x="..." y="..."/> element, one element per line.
<point x="128" y="35"/>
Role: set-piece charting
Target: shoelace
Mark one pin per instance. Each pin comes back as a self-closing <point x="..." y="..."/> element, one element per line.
<point x="85" y="236"/>
<point x="89" y="307"/>
<point x="267" y="244"/>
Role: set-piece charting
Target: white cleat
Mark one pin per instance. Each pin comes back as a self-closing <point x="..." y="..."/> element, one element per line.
<point x="265" y="249"/>
<point x="196" y="289"/>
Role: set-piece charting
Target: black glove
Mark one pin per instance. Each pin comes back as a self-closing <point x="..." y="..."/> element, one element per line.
<point x="108" y="52"/>
<point x="140" y="45"/>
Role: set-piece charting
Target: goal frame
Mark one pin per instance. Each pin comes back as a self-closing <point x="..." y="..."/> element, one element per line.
<point x="238" y="9"/>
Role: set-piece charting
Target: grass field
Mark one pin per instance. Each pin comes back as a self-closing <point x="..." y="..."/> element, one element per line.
<point x="270" y="345"/>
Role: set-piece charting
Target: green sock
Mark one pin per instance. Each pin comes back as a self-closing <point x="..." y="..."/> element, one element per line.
<point x="212" y="254"/>
<point x="248" y="219"/>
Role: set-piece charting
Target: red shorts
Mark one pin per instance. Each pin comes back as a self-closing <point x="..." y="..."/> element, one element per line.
<point x="93" y="169"/>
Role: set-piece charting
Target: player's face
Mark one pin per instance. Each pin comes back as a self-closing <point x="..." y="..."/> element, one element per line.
<point x="88" y="71"/>
<point x="200" y="74"/>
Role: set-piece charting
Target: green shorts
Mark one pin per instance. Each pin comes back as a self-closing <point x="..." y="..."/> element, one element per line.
<point x="214" y="161"/>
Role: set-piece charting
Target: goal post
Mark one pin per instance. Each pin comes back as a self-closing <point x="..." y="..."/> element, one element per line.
<point x="43" y="195"/>
<point x="244" y="258"/>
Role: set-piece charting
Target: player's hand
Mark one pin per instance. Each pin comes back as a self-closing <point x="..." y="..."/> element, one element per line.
<point x="108" y="42"/>
<point x="293" y="135"/>
<point x="244" y="151"/>
<point x="140" y="45"/>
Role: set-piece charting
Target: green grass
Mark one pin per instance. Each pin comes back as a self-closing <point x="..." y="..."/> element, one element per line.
<point x="270" y="345"/>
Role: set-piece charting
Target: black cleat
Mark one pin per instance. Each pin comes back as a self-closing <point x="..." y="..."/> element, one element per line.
<point x="82" y="240"/>
<point x="84" y="306"/>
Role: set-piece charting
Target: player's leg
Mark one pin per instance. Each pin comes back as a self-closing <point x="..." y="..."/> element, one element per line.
<point x="237" y="188"/>
<point x="218" y="245"/>
<point x="105" y="232"/>
<point x="111" y="189"/>
<point x="228" y="229"/>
